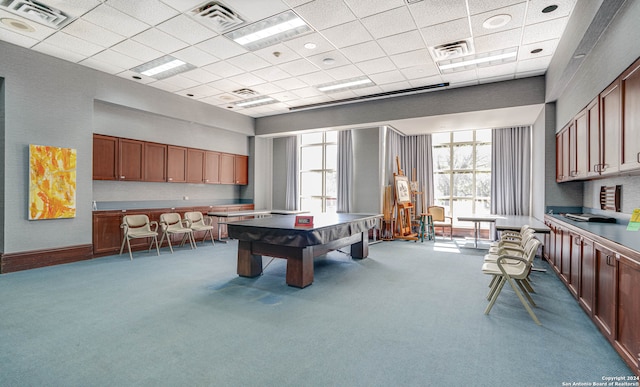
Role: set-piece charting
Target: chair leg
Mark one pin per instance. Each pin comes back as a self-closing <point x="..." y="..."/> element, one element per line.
<point x="169" y="242"/>
<point x="155" y="239"/>
<point x="204" y="239"/>
<point x="527" y="284"/>
<point x="129" y="247"/>
<point x="124" y="240"/>
<point x="495" y="295"/>
<point x="522" y="300"/>
<point x="526" y="293"/>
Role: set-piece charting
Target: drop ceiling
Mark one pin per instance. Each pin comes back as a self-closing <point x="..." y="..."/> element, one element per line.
<point x="395" y="43"/>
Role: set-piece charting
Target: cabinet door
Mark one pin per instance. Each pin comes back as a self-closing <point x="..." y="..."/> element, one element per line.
<point x="587" y="275"/>
<point x="105" y="157"/>
<point x="610" y="128"/>
<point x="176" y="164"/>
<point x="155" y="162"/>
<point x="557" y="258"/>
<point x="227" y="169"/>
<point x="212" y="167"/>
<point x="579" y="146"/>
<point x="562" y="153"/>
<point x="628" y="308"/>
<point x="575" y="258"/>
<point x="630" y="136"/>
<point x="605" y="289"/>
<point x="131" y="160"/>
<point x="565" y="264"/>
<point x="195" y="166"/>
<point x="107" y="234"/>
<point x="241" y="169"/>
<point x="593" y="138"/>
<point x="559" y="157"/>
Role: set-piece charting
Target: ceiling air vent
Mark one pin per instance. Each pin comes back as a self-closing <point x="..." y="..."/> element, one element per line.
<point x="38" y="12"/>
<point x="246" y="92"/>
<point x="217" y="16"/>
<point x="452" y="50"/>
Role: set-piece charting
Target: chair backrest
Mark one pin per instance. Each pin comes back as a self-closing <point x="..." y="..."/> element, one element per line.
<point x="530" y="249"/>
<point x="137" y="221"/>
<point x="195" y="218"/>
<point x="437" y="213"/>
<point x="171" y="220"/>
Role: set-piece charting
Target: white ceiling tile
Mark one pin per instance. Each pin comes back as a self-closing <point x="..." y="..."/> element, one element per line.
<point x="221" y="47"/>
<point x="448" y="32"/>
<point x="200" y="91"/>
<point x="186" y="29"/>
<point x="339" y="60"/>
<point x="181" y="81"/>
<point x="117" y="59"/>
<point x="307" y="92"/>
<point x="347" y="34"/>
<point x="428" y="13"/>
<point x="364" y="8"/>
<point x="533" y="64"/>
<point x="497" y="70"/>
<point x="278" y="53"/>
<point x="194" y="56"/>
<point x="376" y="66"/>
<point x="271" y="74"/>
<point x="480" y="6"/>
<point x="102" y="66"/>
<point x="548" y="48"/>
<point x="299" y="67"/>
<point x="345" y="94"/>
<point x="58" y="52"/>
<point x="226" y="85"/>
<point x="95" y="34"/>
<point x="151" y="12"/>
<point x="9" y="35"/>
<point x="427" y="81"/>
<point x="248" y="62"/>
<point x="389" y="23"/>
<point x="285" y="96"/>
<point x="317" y="78"/>
<point x="406" y="41"/>
<point x="388" y="77"/>
<point x="461" y="76"/>
<point x="326" y="13"/>
<point x="183" y="5"/>
<point x="137" y="50"/>
<point x="420" y="71"/>
<point x="114" y="20"/>
<point x="363" y="51"/>
<point x="535" y="15"/>
<point x="267" y="89"/>
<point x="172" y="88"/>
<point x="255" y="10"/>
<point x="40" y="31"/>
<point x="411" y="58"/>
<point x="73" y="44"/>
<point x="200" y="75"/>
<point x="223" y="69"/>
<point x="345" y="72"/>
<point x="298" y="44"/>
<point x="517" y="19"/>
<point x="365" y="91"/>
<point x="290" y="84"/>
<point x="543" y="31"/>
<point x="160" y="41"/>
<point x="128" y="74"/>
<point x="247" y="79"/>
<point x="497" y="41"/>
<point x="74" y="8"/>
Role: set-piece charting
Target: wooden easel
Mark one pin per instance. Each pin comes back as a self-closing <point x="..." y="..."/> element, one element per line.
<point x="403" y="212"/>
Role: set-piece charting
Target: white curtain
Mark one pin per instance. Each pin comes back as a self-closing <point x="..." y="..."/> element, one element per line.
<point x="345" y="171"/>
<point x="511" y="171"/>
<point x="291" y="196"/>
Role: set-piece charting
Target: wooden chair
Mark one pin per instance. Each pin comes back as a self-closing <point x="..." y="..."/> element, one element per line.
<point x="441" y="220"/>
<point x="138" y="226"/>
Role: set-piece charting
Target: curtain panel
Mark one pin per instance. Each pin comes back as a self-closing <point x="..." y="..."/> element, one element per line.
<point x="345" y="172"/>
<point x="291" y="195"/>
<point x="511" y="171"/>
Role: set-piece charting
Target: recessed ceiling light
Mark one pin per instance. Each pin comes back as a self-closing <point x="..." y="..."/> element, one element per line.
<point x="484" y="59"/>
<point x="269" y="31"/>
<point x="310" y="46"/>
<point x="353" y="83"/>
<point x="17" y="24"/>
<point x="189" y="95"/>
<point x="549" y="8"/>
<point x="537" y="50"/>
<point x="496" y="21"/>
<point x="328" y="61"/>
<point x="163" y="67"/>
<point x="136" y="77"/>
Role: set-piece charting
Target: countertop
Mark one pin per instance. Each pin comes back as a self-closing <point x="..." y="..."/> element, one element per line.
<point x="615" y="232"/>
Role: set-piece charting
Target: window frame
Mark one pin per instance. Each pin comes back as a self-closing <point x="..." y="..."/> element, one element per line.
<point x="324" y="170"/>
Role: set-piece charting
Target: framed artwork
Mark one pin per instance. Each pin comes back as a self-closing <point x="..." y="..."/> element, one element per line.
<point x="52" y="182"/>
<point x="403" y="194"/>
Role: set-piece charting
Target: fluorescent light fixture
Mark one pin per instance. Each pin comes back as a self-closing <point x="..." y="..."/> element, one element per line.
<point x="163" y="67"/>
<point x="479" y="60"/>
<point x="269" y="31"/>
<point x="258" y="101"/>
<point x="354" y="83"/>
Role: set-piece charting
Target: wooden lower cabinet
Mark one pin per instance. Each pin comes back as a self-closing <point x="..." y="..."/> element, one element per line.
<point x="107" y="235"/>
<point x="605" y="279"/>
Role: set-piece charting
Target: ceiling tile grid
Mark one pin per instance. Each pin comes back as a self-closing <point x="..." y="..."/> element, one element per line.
<point x="396" y="44"/>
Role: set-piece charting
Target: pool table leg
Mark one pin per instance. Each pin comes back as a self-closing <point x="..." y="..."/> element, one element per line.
<point x="360" y="250"/>
<point x="300" y="268"/>
<point x="249" y="264"/>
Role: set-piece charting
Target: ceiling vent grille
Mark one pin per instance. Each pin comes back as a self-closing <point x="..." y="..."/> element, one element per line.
<point x="217" y="16"/>
<point x="37" y="12"/>
<point x="452" y="50"/>
<point x="246" y="92"/>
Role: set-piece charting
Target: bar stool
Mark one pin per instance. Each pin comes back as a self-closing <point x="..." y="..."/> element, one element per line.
<point x="426" y="227"/>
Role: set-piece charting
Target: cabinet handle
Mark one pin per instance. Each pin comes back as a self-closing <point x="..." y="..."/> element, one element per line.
<point x="169" y="178"/>
<point x="573" y="173"/>
<point x="638" y="157"/>
<point x="122" y="177"/>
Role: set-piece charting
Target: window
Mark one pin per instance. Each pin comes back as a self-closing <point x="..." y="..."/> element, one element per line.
<point x="462" y="172"/>
<point x="318" y="177"/>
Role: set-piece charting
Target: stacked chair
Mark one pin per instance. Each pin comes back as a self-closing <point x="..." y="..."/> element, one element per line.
<point x="173" y="224"/>
<point x="510" y="260"/>
<point x="197" y="222"/>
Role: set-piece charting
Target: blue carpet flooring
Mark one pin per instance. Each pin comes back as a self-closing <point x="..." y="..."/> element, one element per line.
<point x="409" y="315"/>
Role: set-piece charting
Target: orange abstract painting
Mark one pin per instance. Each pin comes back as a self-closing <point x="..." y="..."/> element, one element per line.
<point x="52" y="182"/>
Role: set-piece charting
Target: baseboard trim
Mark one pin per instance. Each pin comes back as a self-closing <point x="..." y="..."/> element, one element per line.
<point x="26" y="260"/>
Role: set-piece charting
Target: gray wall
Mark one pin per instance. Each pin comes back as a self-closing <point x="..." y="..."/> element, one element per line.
<point x="48" y="101"/>
<point x="367" y="172"/>
<point x="279" y="173"/>
<point x="538" y="165"/>
<point x="2" y="157"/>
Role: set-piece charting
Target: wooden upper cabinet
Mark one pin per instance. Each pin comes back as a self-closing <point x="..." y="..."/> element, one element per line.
<point x="105" y="157"/>
<point x="155" y="162"/>
<point x="227" y="169"/>
<point x="212" y="167"/>
<point x="562" y="153"/>
<point x="630" y="134"/>
<point x="131" y="159"/>
<point x="241" y="169"/>
<point x="610" y="128"/>
<point x="176" y="164"/>
<point x="580" y="146"/>
<point x="195" y="166"/>
<point x="593" y="137"/>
